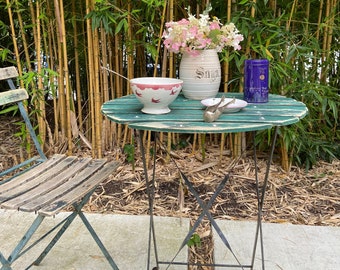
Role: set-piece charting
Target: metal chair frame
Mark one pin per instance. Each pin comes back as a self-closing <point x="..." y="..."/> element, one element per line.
<point x="47" y="186"/>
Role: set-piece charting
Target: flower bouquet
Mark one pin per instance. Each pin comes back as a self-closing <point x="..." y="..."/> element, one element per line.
<point x="192" y="34"/>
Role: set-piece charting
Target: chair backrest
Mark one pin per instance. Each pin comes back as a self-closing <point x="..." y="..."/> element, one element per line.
<point x="12" y="96"/>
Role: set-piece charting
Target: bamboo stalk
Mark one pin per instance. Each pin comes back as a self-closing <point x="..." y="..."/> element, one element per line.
<point x="284" y="156"/>
<point x="292" y="11"/>
<point x="125" y="136"/>
<point x="284" y="151"/>
<point x="14" y="39"/>
<point x="40" y="100"/>
<point x="202" y="142"/>
<point x="159" y="40"/>
<point x="239" y="142"/>
<point x="194" y="144"/>
<point x="77" y="68"/>
<point x="225" y="77"/>
<point x="119" y="135"/>
<point x="130" y="60"/>
<point x="89" y="7"/>
<point x="51" y="60"/>
<point x="328" y="36"/>
<point x="106" y="130"/>
<point x="273" y="6"/>
<point x="97" y="97"/>
<point x="59" y="57"/>
<point x="307" y="17"/>
<point x="24" y="40"/>
<point x="66" y="76"/>
<point x="317" y="35"/>
<point x="226" y="63"/>
<point x="16" y="52"/>
<point x="171" y="61"/>
<point x="223" y="135"/>
<point x="117" y="89"/>
<point x="130" y="50"/>
<point x="45" y="50"/>
<point x="117" y="66"/>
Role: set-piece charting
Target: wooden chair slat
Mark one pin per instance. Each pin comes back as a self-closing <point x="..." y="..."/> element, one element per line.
<point x="60" y="191"/>
<point x="13" y="96"/>
<point x="30" y="174"/>
<point x="34" y="180"/>
<point x="47" y="182"/>
<point x="80" y="190"/>
<point x="47" y="186"/>
<point x="8" y="73"/>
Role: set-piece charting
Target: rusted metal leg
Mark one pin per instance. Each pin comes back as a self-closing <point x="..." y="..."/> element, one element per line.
<point x="5" y="263"/>
<point x="261" y="197"/>
<point x="205" y="212"/>
<point x="150" y="185"/>
<point x="16" y="253"/>
<point x="67" y="222"/>
<point x="98" y="241"/>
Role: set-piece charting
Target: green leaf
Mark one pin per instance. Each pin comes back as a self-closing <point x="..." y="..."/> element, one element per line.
<point x="195" y="240"/>
<point x="123" y="24"/>
<point x="214" y="35"/>
<point x="243" y="2"/>
<point x="13" y="109"/>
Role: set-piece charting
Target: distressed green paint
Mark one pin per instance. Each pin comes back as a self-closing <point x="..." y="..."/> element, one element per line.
<point x="186" y="115"/>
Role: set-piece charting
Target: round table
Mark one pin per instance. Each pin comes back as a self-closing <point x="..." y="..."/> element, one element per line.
<point x="186" y="116"/>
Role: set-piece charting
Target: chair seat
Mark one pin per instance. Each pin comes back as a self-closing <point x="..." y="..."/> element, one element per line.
<point x="54" y="184"/>
<point x="47" y="186"/>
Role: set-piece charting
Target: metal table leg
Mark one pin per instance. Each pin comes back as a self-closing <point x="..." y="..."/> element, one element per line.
<point x="205" y="212"/>
<point x="150" y="189"/>
<point x="260" y="192"/>
<point x="261" y="197"/>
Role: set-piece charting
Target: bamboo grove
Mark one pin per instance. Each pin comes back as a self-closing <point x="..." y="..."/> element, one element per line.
<point x="64" y="49"/>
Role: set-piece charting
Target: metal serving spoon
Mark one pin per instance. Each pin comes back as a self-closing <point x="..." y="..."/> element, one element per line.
<point x="212" y="113"/>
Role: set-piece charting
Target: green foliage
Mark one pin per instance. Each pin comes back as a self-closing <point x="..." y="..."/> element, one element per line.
<point x="129" y="150"/>
<point x="13" y="108"/>
<point x="195" y="240"/>
<point x="145" y="18"/>
<point x="317" y="136"/>
<point x="300" y="66"/>
<point x="105" y="16"/>
<point x="180" y="145"/>
<point x="22" y="133"/>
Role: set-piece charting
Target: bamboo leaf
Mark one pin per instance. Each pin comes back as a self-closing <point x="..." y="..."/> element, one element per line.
<point x="13" y="109"/>
<point x="243" y="2"/>
<point x="334" y="109"/>
<point x="123" y="24"/>
<point x="267" y="53"/>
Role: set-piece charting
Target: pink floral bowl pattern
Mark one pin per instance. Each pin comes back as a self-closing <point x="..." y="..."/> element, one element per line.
<point x="156" y="93"/>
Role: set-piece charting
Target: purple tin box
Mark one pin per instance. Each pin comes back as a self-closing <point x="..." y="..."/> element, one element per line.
<point x="256" y="75"/>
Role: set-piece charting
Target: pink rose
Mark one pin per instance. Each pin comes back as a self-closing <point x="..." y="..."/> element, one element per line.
<point x="183" y="22"/>
<point x="214" y="25"/>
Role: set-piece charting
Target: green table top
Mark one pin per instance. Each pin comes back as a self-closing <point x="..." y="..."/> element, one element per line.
<point x="186" y="115"/>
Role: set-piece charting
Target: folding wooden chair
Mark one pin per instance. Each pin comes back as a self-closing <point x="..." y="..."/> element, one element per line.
<point x="46" y="186"/>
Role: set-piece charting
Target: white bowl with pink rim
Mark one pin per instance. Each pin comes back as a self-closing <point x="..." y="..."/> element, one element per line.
<point x="156" y="93"/>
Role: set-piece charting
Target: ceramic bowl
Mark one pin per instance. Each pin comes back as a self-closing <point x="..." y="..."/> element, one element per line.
<point x="156" y="93"/>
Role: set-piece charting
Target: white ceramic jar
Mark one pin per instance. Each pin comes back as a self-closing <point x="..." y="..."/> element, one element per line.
<point x="201" y="74"/>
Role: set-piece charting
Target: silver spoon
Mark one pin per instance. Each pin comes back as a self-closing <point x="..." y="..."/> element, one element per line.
<point x="212" y="113"/>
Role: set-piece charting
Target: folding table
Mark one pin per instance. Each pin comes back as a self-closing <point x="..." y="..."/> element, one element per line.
<point x="186" y="116"/>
